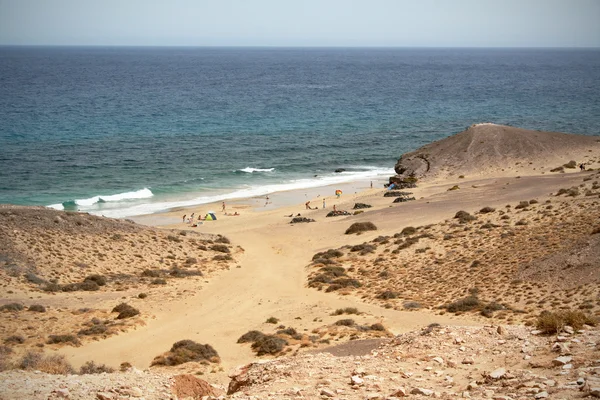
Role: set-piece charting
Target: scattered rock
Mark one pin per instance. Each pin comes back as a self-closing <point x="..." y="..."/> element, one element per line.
<point x="421" y="391"/>
<point x="497" y="373"/>
<point x="562" y="360"/>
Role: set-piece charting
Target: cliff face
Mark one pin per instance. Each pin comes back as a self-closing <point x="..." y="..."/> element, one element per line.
<point x="484" y="148"/>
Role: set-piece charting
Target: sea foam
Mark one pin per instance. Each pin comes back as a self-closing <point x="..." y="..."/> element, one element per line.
<point x="251" y="170"/>
<point x="365" y="173"/>
<point x="144" y="193"/>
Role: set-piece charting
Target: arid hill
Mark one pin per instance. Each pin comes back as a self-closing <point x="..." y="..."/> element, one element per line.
<point x="63" y="273"/>
<point x="485" y="148"/>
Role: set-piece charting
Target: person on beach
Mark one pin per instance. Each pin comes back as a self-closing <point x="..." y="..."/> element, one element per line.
<point x="266" y="200"/>
<point x="307" y="204"/>
<point x="192" y="217"/>
<point x="582" y="167"/>
<point x="323" y="202"/>
<point x="371" y="184"/>
<point x="223" y="208"/>
<point x="183" y="220"/>
<point x="334" y="209"/>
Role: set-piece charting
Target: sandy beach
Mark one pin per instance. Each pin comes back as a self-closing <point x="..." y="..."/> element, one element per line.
<point x="271" y="271"/>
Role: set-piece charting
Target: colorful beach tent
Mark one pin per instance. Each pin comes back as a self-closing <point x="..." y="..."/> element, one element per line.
<point x="211" y="217"/>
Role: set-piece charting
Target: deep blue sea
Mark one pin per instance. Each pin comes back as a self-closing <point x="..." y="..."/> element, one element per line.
<point x="123" y="131"/>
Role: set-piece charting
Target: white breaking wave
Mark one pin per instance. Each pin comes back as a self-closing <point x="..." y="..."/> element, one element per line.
<point x="249" y="192"/>
<point x="144" y="193"/>
<point x="251" y="170"/>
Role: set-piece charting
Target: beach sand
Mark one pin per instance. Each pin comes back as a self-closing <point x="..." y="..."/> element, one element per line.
<point x="272" y="263"/>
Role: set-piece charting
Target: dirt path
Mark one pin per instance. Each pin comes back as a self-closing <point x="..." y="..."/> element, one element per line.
<point x="270" y="282"/>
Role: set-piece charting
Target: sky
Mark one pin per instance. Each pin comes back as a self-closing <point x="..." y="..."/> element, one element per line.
<point x="398" y="23"/>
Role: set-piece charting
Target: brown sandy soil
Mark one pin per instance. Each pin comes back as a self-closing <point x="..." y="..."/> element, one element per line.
<point x="47" y="255"/>
<point x="515" y="257"/>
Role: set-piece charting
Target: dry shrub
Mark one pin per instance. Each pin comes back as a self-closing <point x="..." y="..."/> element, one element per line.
<point x="12" y="307"/>
<point x="5" y="363"/>
<point x="14" y="339"/>
<point x="412" y="305"/>
<point x="347" y="310"/>
<point x="377" y="327"/>
<point x="96" y="329"/>
<point x="345" y="322"/>
<point x="486" y="210"/>
<point x="221" y="248"/>
<point x="464" y="217"/>
<point x="250" y="337"/>
<point x="69" y="339"/>
<point x="98" y="279"/>
<point x="37" y="308"/>
<point x="53" y="364"/>
<point x="359" y="227"/>
<point x="91" y="367"/>
<point x="331" y="253"/>
<point x="409" y="230"/>
<point x="387" y="295"/>
<point x="571" y="164"/>
<point x="522" y="204"/>
<point x="465" y="304"/>
<point x="554" y="322"/>
<point x="187" y="351"/>
<point x="125" y="311"/>
<point x="151" y="273"/>
<point x="269" y="344"/>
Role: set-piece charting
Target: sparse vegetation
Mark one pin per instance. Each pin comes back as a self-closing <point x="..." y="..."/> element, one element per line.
<point x="553" y="322"/>
<point x="68" y="339"/>
<point x="347" y="310"/>
<point x="187" y="351"/>
<point x="12" y="307"/>
<point x="52" y="364"/>
<point x="91" y="367"/>
<point x="359" y="227"/>
<point x="272" y="320"/>
<point x="269" y="344"/>
<point x="125" y="311"/>
<point x="37" y="308"/>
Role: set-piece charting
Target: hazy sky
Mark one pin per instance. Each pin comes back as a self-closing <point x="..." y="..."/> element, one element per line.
<point x="439" y="23"/>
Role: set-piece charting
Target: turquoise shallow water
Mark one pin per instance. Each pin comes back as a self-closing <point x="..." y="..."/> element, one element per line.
<point x="128" y="131"/>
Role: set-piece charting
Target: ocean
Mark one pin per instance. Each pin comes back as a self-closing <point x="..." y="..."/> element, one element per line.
<point x="124" y="131"/>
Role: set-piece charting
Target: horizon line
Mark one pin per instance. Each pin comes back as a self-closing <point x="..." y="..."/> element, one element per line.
<point x="300" y="46"/>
